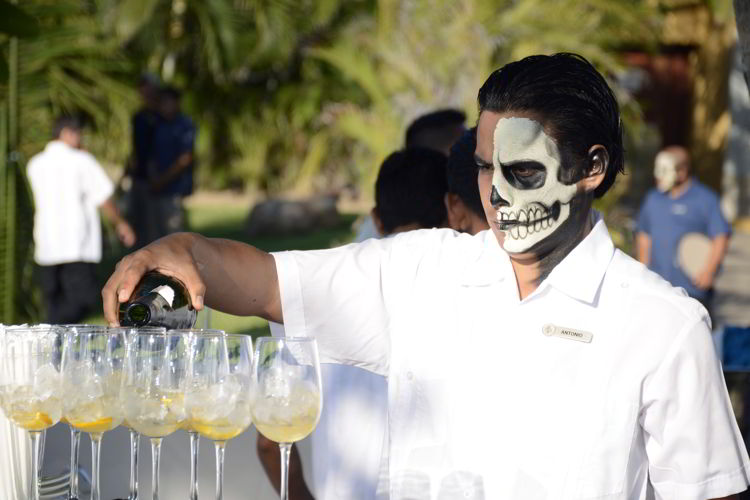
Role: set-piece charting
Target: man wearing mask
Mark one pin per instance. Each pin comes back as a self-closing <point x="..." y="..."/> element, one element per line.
<point x="680" y="206"/>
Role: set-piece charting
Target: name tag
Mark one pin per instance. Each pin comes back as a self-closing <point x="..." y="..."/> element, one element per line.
<point x="567" y="333"/>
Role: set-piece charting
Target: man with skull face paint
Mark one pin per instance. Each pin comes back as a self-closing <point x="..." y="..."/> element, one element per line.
<point x="532" y="361"/>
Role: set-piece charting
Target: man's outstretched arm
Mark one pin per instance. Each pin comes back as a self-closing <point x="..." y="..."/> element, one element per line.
<point x="225" y="275"/>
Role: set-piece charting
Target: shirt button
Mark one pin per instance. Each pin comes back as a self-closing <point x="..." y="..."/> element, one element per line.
<point x="409" y="375"/>
<point x="624" y="284"/>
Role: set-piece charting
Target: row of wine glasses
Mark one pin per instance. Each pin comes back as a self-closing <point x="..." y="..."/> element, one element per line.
<point x="154" y="382"/>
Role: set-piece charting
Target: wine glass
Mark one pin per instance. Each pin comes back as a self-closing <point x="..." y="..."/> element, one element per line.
<point x="218" y="400"/>
<point x="30" y="384"/>
<point x="287" y="394"/>
<point x="135" y="437"/>
<point x="154" y="387"/>
<point x="75" y="434"/>
<point x="194" y="435"/>
<point x="92" y="376"/>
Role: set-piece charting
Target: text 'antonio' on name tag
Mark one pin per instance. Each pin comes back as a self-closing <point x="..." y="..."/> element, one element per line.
<point x="564" y="332"/>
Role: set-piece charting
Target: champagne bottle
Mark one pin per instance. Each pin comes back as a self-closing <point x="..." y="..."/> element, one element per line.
<point x="158" y="300"/>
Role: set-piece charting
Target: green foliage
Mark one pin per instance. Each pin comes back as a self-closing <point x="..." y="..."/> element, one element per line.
<point x="300" y="94"/>
<point x="16" y="22"/>
<point x="73" y="65"/>
<point x="414" y="56"/>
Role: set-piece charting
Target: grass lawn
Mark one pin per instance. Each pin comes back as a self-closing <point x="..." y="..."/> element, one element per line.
<point x="218" y="219"/>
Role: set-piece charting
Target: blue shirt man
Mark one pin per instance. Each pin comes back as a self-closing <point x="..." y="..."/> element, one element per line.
<point x="171" y="164"/>
<point x="680" y="205"/>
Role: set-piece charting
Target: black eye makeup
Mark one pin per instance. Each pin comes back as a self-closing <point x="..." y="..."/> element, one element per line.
<point x="525" y="174"/>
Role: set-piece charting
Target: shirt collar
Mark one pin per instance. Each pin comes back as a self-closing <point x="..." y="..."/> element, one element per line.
<point x="491" y="264"/>
<point x="581" y="272"/>
<point x="57" y="144"/>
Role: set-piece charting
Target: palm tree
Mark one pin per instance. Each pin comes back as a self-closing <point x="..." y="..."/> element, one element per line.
<point x="15" y="204"/>
<point x="65" y="62"/>
<point x="417" y="55"/>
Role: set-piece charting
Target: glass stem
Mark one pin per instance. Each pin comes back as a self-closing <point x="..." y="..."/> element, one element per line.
<point x="155" y="456"/>
<point x="96" y="446"/>
<point x="194" y="443"/>
<point x="75" y="443"/>
<point x="135" y="439"/>
<point x="40" y="464"/>
<point x="285" y="449"/>
<point x="34" y="485"/>
<point x="220" y="469"/>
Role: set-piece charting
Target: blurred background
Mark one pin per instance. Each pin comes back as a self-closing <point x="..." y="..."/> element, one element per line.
<point x="298" y="99"/>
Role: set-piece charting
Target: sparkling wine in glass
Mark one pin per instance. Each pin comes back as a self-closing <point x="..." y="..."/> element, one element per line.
<point x="92" y="376"/>
<point x="31" y="383"/>
<point x="75" y="434"/>
<point x="154" y="388"/>
<point x="186" y="426"/>
<point x="135" y="437"/>
<point x="287" y="395"/>
<point x="218" y="401"/>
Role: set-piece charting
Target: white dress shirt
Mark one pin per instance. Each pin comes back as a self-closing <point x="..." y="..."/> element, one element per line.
<point x="68" y="186"/>
<point x="601" y="384"/>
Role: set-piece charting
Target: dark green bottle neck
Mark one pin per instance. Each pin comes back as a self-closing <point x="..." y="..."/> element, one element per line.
<point x="138" y="314"/>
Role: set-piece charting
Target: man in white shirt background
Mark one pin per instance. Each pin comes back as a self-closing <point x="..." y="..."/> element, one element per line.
<point x="532" y="361"/>
<point x="70" y="187"/>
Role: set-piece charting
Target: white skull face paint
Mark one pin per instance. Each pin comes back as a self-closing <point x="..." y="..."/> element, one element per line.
<point x="532" y="202"/>
<point x="665" y="171"/>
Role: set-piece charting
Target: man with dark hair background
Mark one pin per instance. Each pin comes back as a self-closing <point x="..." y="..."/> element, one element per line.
<point x="462" y="201"/>
<point x="531" y="361"/>
<point x="409" y="191"/>
<point x="437" y="130"/>
<point x="69" y="188"/>
<point x="170" y="167"/>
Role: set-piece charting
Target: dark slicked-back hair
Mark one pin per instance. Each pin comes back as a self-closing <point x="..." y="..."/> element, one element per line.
<point x="571" y="100"/>
<point x="435" y="130"/>
<point x="462" y="172"/>
<point x="410" y="189"/>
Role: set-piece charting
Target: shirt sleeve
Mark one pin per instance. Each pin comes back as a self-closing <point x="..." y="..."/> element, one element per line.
<point x="717" y="224"/>
<point x="338" y="296"/>
<point x="643" y="222"/>
<point x="694" y="447"/>
<point x="95" y="182"/>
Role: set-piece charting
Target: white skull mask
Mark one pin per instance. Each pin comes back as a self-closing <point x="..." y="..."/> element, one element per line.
<point x="527" y="163"/>
<point x="665" y="171"/>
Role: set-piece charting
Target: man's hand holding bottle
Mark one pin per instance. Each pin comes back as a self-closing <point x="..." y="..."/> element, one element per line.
<point x="226" y="275"/>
